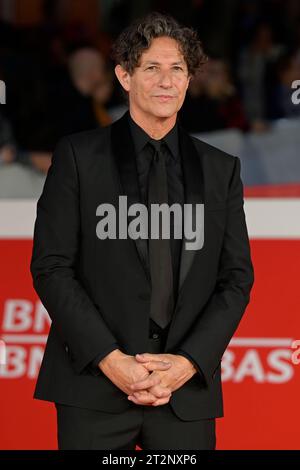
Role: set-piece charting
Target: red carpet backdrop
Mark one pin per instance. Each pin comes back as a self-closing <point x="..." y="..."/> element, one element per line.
<point x="261" y="384"/>
<point x="57" y="78"/>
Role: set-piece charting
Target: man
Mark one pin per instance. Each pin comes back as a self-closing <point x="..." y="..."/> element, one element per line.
<point x="139" y="326"/>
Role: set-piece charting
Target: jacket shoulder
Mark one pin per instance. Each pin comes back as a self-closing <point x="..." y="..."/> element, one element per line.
<point x="94" y="136"/>
<point x="87" y="137"/>
<point x="213" y="153"/>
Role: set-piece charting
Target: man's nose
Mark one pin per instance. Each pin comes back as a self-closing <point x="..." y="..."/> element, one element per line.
<point x="165" y="79"/>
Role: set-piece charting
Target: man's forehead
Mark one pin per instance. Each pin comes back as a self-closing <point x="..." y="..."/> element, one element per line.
<point x="156" y="61"/>
<point x="162" y="55"/>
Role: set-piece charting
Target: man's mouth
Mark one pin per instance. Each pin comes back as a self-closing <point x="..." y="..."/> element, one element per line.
<point x="164" y="97"/>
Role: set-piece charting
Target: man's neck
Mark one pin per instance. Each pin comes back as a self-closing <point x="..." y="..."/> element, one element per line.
<point x="155" y="127"/>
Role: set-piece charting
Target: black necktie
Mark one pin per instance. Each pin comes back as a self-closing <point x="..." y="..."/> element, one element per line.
<point x="162" y="301"/>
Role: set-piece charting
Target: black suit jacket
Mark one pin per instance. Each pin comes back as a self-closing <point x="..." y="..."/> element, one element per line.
<point x="97" y="292"/>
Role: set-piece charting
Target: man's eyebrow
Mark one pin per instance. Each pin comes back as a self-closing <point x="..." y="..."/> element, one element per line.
<point x="153" y="62"/>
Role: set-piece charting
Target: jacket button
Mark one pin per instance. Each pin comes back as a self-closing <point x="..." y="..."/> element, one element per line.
<point x="155" y="335"/>
<point x="66" y="348"/>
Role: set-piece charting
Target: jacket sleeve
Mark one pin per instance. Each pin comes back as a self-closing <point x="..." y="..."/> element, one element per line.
<point x="210" y="335"/>
<point x="199" y="373"/>
<point x="93" y="366"/>
<point x="75" y="317"/>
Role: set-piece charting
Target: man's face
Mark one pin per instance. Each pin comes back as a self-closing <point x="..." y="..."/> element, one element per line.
<point x="158" y="84"/>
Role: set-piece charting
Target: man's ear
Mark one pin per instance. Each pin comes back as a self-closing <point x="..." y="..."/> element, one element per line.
<point x="190" y="77"/>
<point x="123" y="77"/>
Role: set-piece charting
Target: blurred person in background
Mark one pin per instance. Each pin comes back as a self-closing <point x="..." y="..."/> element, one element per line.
<point x="10" y="153"/>
<point x="212" y="102"/>
<point x="90" y="90"/>
<point x="255" y="59"/>
<point x="286" y="71"/>
<point x="7" y="144"/>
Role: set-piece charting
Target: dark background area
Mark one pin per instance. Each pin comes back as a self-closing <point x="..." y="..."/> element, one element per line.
<point x="55" y="62"/>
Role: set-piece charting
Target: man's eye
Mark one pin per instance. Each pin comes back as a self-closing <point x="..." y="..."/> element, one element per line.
<point x="151" y="67"/>
<point x="177" y="67"/>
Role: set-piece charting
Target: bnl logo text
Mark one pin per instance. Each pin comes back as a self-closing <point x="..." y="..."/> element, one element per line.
<point x="2" y="92"/>
<point x="296" y="93"/>
<point x="2" y="352"/>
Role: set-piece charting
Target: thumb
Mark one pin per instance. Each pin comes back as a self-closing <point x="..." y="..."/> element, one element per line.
<point x="150" y="358"/>
<point x="142" y="357"/>
<point x="147" y="357"/>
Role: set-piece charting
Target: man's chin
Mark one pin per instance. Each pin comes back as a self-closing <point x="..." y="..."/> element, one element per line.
<point x="164" y="113"/>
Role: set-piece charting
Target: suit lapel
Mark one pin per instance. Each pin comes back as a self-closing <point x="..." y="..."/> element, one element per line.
<point x="124" y="153"/>
<point x="194" y="194"/>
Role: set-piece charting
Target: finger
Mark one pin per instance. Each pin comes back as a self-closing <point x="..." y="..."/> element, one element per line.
<point x="145" y="394"/>
<point x="147" y="383"/>
<point x="152" y="358"/>
<point x="159" y="392"/>
<point x="161" y="401"/>
<point x="146" y="357"/>
<point x="143" y="399"/>
<point x="142" y="393"/>
<point x="137" y="402"/>
<point x="158" y="365"/>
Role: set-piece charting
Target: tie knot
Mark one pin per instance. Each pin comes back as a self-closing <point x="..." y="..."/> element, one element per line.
<point x="157" y="146"/>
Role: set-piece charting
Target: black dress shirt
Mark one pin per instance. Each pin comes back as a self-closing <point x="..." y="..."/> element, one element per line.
<point x="144" y="155"/>
<point x="175" y="195"/>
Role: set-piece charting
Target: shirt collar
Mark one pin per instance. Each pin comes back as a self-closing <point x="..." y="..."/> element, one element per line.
<point x="141" y="138"/>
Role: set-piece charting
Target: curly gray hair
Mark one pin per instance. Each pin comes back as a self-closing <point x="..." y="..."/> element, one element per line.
<point x="137" y="38"/>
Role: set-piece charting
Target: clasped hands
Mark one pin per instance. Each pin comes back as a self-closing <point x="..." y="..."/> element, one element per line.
<point x="147" y="379"/>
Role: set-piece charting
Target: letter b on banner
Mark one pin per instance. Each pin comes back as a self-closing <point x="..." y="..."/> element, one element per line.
<point x="2" y="92"/>
<point x="2" y="352"/>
